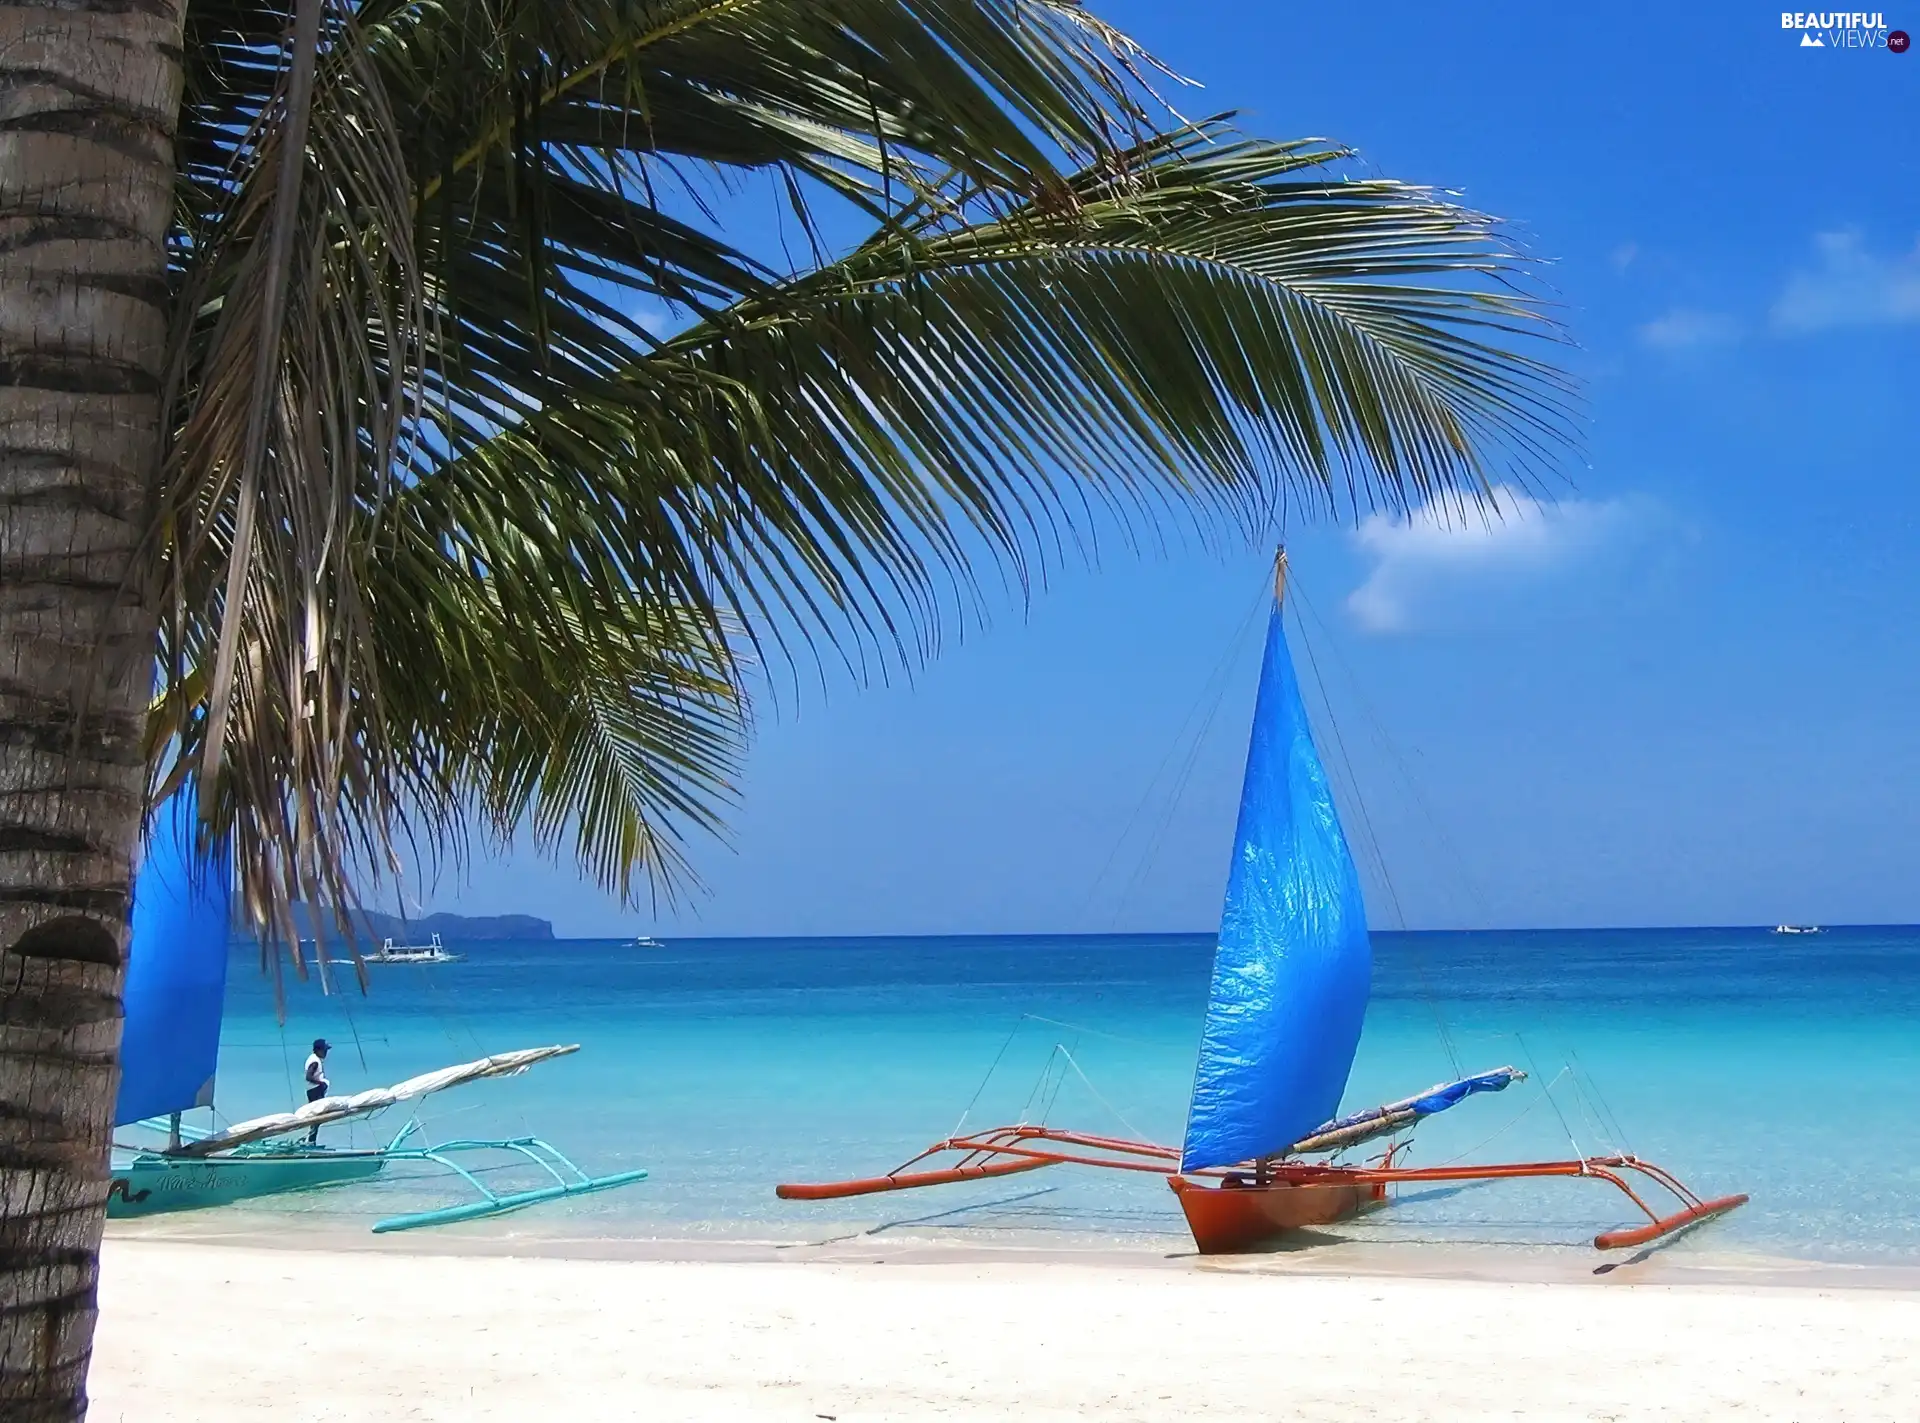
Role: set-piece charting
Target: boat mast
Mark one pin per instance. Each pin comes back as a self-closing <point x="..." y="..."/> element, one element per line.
<point x="173" y="1131"/>
<point x="1263" y="1165"/>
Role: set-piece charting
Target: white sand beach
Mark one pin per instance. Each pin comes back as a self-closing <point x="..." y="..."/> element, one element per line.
<point x="216" y="1333"/>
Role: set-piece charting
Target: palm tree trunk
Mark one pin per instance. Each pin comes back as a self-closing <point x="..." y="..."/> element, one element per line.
<point x="89" y="98"/>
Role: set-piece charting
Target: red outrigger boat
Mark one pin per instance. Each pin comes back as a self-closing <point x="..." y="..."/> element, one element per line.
<point x="1252" y="1205"/>
<point x="1290" y="987"/>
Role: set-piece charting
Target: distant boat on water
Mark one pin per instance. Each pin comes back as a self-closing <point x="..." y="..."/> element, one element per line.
<point x="434" y="952"/>
<point x="646" y="941"/>
<point x="1796" y="929"/>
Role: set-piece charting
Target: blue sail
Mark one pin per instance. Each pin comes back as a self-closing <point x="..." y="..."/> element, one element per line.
<point x="1290" y="973"/>
<point x="176" y="969"/>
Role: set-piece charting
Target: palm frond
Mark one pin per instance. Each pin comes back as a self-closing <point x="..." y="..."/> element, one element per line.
<point x="512" y="548"/>
<point x="296" y="380"/>
<point x="558" y="703"/>
<point x="1213" y="324"/>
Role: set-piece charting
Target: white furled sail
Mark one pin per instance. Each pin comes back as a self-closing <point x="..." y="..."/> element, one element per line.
<point x="337" y="1109"/>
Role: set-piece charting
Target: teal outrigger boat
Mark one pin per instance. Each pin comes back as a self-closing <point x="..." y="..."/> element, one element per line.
<point x="176" y="983"/>
<point x="156" y="1182"/>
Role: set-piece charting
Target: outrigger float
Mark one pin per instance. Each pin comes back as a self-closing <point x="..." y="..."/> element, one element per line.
<point x="176" y="980"/>
<point x="1289" y="994"/>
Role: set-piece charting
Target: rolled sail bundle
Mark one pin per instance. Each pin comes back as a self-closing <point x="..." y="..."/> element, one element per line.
<point x="1358" y="1127"/>
<point x="360" y="1104"/>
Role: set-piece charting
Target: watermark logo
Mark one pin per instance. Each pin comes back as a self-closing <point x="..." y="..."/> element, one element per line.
<point x="1844" y="29"/>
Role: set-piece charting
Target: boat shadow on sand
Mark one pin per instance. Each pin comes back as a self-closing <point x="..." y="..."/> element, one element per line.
<point x="961" y="1218"/>
<point x="973" y="1208"/>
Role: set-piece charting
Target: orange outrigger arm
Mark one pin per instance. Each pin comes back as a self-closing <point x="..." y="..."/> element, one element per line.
<point x="976" y="1161"/>
<point x="1006" y="1151"/>
<point x="1693" y="1209"/>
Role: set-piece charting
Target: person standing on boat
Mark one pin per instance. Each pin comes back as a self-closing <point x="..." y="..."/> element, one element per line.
<point x="317" y="1080"/>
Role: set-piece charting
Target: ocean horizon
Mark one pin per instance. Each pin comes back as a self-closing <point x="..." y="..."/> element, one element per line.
<point x="1742" y="1059"/>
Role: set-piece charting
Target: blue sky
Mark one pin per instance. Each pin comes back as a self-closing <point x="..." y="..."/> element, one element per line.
<point x="1685" y="692"/>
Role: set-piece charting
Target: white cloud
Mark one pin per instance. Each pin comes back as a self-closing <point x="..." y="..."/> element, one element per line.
<point x="1438" y="556"/>
<point x="1623" y="255"/>
<point x="1851" y="287"/>
<point x="1685" y="328"/>
<point x="656" y="321"/>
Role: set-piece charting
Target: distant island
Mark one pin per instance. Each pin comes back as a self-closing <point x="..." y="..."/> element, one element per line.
<point x="374" y="927"/>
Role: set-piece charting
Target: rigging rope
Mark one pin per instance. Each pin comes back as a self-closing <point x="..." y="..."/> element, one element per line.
<point x="1390" y="747"/>
<point x="353" y="1029"/>
<point x="1366" y="822"/>
<point x="444" y="1014"/>
<point x="1206" y="707"/>
<point x="1546" y="1090"/>
<point x="992" y="1067"/>
<point x="1512" y="1122"/>
<point x="1061" y="1050"/>
<point x="286" y="1062"/>
<point x="1617" y="1130"/>
<point x="1091" y="1032"/>
<point x="1039" y="1085"/>
<point x="1119" y="1115"/>
<point x="1346" y="764"/>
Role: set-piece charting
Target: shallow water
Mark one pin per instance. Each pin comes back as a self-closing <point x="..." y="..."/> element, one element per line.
<point x="1741" y="1059"/>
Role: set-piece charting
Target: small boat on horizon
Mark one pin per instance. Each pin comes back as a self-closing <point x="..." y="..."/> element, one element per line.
<point x="1290" y="986"/>
<point x="434" y="952"/>
<point x="1797" y="929"/>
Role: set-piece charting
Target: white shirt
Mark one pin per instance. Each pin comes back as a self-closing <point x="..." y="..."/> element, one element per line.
<point x="316" y="1070"/>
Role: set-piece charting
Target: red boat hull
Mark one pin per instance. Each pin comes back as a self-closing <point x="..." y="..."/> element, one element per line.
<point x="1226" y="1219"/>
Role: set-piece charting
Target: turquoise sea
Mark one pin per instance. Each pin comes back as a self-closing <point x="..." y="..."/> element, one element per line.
<point x="1787" y="1067"/>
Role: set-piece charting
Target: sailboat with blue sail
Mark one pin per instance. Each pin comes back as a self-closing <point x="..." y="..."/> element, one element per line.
<point x="1264" y="1144"/>
<point x="170" y="1046"/>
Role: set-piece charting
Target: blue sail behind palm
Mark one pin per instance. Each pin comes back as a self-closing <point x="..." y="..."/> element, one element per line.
<point x="1291" y="970"/>
<point x="176" y="969"/>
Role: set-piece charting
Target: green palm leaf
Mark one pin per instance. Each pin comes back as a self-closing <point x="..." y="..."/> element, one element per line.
<point x="1210" y="323"/>
<point x="516" y="545"/>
